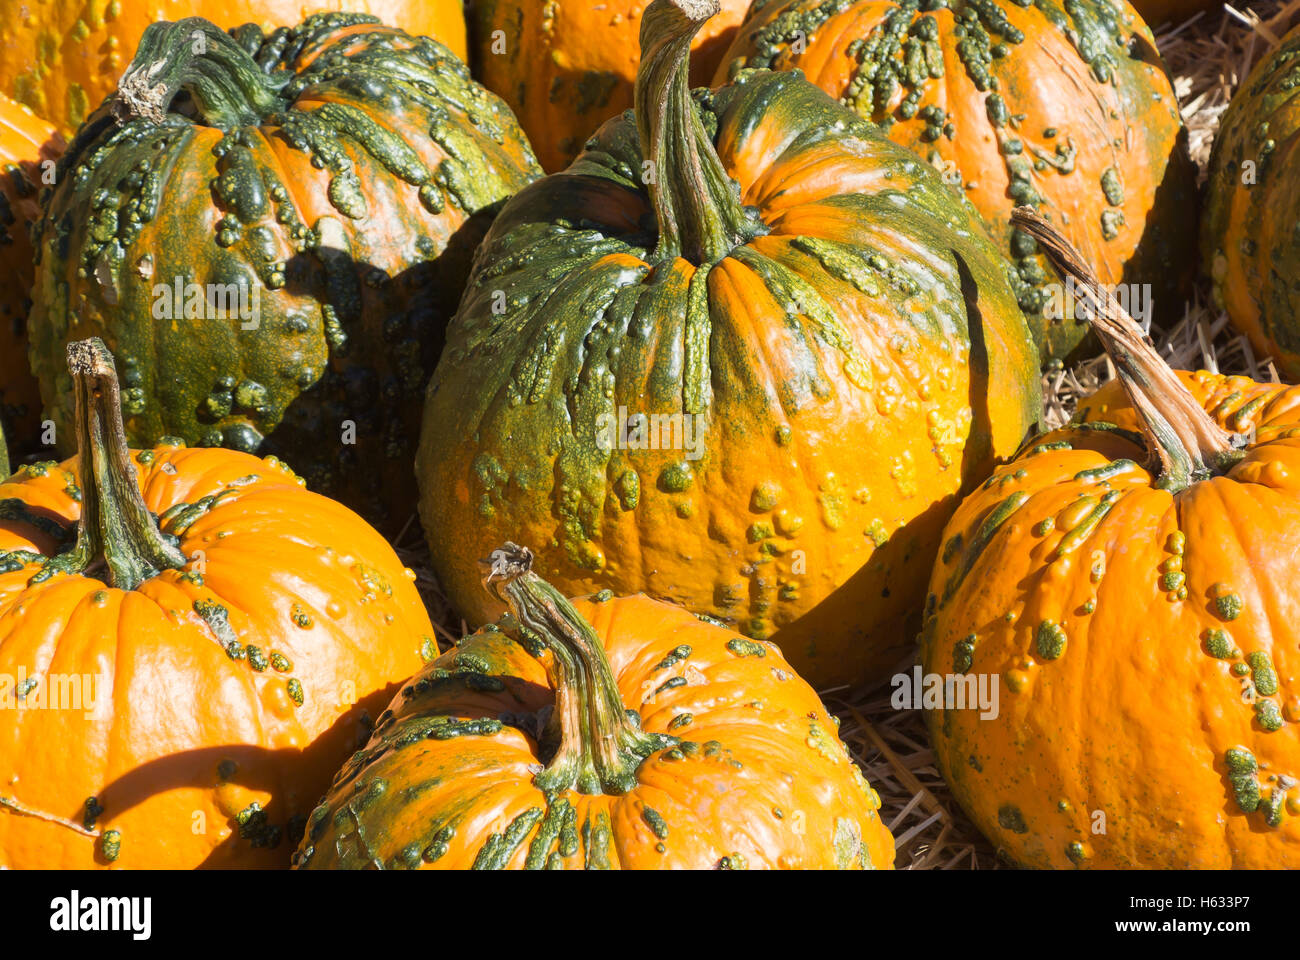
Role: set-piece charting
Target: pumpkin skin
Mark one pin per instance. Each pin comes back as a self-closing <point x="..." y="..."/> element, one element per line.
<point x="742" y="766"/>
<point x="834" y="433"/>
<point x="568" y="66"/>
<point x="1247" y="235"/>
<point x="1118" y="179"/>
<point x="180" y="728"/>
<point x="1156" y="12"/>
<point x="354" y="265"/>
<point x="1145" y="580"/>
<point x="26" y="142"/>
<point x="63" y="58"/>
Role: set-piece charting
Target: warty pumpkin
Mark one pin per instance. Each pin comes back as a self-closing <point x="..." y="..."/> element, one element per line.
<point x="62" y="58"/>
<point x="27" y="143"/>
<point x="567" y="66"/>
<point x="1249" y="233"/>
<point x="600" y="733"/>
<point x="1065" y="106"/>
<point x="1130" y="582"/>
<point x="269" y="231"/>
<point x="190" y="645"/>
<point x="753" y="386"/>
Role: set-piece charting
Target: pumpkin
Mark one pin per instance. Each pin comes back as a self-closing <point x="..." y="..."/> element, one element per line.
<point x="753" y="386"/>
<point x="567" y="66"/>
<point x="1062" y="105"/>
<point x="1248" y="235"/>
<point x="1156" y="12"/>
<point x="269" y="231"/>
<point x="190" y="644"/>
<point x="63" y="59"/>
<point x="1129" y="582"/>
<point x="26" y="144"/>
<point x="600" y="733"/>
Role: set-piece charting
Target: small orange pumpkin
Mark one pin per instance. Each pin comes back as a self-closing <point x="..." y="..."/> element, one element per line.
<point x="602" y="733"/>
<point x="176" y="692"/>
<point x="1130" y="582"/>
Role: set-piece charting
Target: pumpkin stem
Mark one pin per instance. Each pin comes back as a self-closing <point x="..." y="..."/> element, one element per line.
<point x="1189" y="444"/>
<point x="697" y="206"/>
<point x="600" y="744"/>
<point x="227" y="86"/>
<point x="115" y="524"/>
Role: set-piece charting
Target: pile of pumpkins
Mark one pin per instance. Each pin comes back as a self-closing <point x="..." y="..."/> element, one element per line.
<point x="706" y="338"/>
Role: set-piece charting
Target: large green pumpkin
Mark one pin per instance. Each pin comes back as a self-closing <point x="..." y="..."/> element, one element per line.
<point x="829" y="325"/>
<point x="1250" y="236"/>
<point x="269" y="231"/>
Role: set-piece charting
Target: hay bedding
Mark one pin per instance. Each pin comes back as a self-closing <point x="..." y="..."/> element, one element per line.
<point x="1209" y="55"/>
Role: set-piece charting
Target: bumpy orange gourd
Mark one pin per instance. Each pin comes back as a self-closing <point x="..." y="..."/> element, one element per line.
<point x="26" y="143"/>
<point x="1141" y="622"/>
<point x="1065" y="106"/>
<point x="602" y="733"/>
<point x="176" y="693"/>
<point x="754" y="385"/>
<point x="62" y="57"/>
<point x="567" y="66"/>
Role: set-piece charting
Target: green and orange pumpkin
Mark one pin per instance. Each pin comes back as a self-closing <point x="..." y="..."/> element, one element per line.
<point x="190" y="645"/>
<point x="269" y="231"/>
<point x="819" y="336"/>
<point x="600" y="734"/>
<point x="1065" y="106"/>
<point x="1129" y="582"/>
<point x="1250" y="246"/>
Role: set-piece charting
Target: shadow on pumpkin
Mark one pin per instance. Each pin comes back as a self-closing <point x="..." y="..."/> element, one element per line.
<point x="257" y="769"/>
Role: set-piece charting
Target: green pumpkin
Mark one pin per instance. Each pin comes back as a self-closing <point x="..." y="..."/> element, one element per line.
<point x="823" y="329"/>
<point x="269" y="232"/>
<point x="1250" y="235"/>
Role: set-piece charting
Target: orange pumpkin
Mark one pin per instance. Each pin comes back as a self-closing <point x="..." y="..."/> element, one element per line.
<point x="567" y="66"/>
<point x="63" y="58"/>
<point x="1130" y="582"/>
<point x="26" y="143"/>
<point x="600" y="733"/>
<point x="176" y="692"/>
<point x="1063" y="105"/>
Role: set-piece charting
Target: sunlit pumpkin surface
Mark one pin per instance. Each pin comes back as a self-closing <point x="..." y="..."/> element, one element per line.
<point x="1062" y="105"/>
<point x="1147" y="645"/>
<point x="195" y="717"/>
<point x="731" y="762"/>
<point x="847" y="365"/>
<point x="567" y="66"/>
<point x="63" y="57"/>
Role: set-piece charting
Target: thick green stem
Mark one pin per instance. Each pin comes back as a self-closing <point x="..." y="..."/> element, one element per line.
<point x="697" y="206"/>
<point x="1190" y="446"/>
<point x="115" y="524"/>
<point x="600" y="746"/>
<point x="226" y="85"/>
<point x="4" y="455"/>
